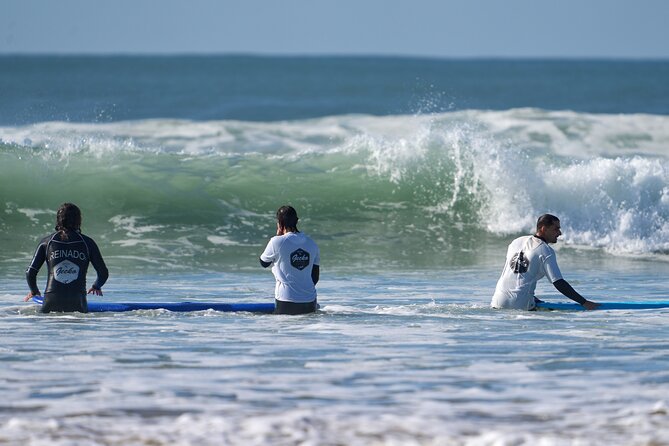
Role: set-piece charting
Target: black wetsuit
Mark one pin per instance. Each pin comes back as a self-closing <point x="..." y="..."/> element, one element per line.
<point x="67" y="259"/>
<point x="283" y="307"/>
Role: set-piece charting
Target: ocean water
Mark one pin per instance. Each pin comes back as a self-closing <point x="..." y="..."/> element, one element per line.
<point x="412" y="176"/>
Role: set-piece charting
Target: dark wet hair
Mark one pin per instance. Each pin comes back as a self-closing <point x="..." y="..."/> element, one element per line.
<point x="287" y="217"/>
<point x="547" y="220"/>
<point x="68" y="218"/>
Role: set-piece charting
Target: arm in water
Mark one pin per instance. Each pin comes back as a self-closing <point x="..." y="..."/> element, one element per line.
<point x="563" y="287"/>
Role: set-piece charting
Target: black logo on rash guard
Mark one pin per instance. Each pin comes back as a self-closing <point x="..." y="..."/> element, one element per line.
<point x="299" y="259"/>
<point x="519" y="263"/>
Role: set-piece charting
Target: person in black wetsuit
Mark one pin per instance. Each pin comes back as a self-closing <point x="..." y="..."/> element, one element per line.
<point x="67" y="253"/>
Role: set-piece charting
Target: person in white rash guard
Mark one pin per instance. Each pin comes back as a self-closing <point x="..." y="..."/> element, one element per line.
<point x="295" y="260"/>
<point x="529" y="259"/>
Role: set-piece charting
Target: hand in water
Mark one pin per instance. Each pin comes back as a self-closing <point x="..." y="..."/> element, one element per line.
<point x="29" y="296"/>
<point x="95" y="291"/>
<point x="590" y="305"/>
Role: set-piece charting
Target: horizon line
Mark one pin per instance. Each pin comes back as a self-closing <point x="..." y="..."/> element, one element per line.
<point x="309" y="55"/>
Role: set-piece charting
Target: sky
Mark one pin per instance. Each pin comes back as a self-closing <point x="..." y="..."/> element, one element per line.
<point x="423" y="28"/>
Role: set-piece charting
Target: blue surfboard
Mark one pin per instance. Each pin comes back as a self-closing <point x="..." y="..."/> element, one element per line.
<point x="640" y="305"/>
<point x="101" y="307"/>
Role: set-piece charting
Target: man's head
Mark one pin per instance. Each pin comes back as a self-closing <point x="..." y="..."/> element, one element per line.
<point x="286" y="218"/>
<point x="548" y="228"/>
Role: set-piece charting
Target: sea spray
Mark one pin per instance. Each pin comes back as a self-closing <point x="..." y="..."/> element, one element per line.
<point x="393" y="190"/>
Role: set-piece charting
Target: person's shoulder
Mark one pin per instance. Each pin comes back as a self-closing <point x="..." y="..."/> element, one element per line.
<point x="275" y="240"/>
<point x="86" y="238"/>
<point x="520" y="240"/>
<point x="44" y="240"/>
<point x="308" y="238"/>
<point x="546" y="249"/>
<point x="539" y="244"/>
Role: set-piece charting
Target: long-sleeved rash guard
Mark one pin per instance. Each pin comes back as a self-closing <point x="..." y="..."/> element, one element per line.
<point x="67" y="258"/>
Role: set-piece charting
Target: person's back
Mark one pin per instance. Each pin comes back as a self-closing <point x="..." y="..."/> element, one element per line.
<point x="67" y="253"/>
<point x="528" y="259"/>
<point x="294" y="254"/>
<point x="295" y="260"/>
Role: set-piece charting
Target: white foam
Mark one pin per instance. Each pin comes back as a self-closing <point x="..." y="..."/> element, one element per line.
<point x="221" y="240"/>
<point x="563" y="133"/>
<point x="603" y="175"/>
<point x="580" y="135"/>
<point x="346" y="376"/>
<point x="130" y="224"/>
<point x="604" y="196"/>
<point x="32" y="214"/>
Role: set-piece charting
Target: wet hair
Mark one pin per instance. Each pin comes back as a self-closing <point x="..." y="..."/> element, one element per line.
<point x="68" y="218"/>
<point x="547" y="220"/>
<point x="287" y="217"/>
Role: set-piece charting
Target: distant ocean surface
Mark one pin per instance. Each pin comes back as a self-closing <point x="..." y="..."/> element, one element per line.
<point x="411" y="174"/>
<point x="245" y="88"/>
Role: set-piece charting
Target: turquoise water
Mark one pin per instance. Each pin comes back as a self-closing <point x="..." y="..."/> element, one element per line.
<point x="412" y="183"/>
<point x="409" y="191"/>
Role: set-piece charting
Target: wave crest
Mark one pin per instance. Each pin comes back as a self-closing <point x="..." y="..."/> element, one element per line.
<point x="366" y="186"/>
